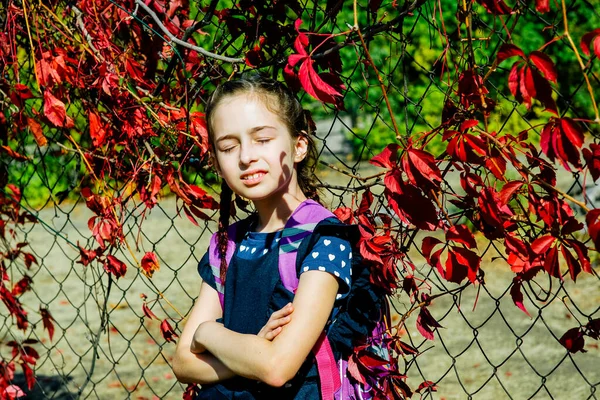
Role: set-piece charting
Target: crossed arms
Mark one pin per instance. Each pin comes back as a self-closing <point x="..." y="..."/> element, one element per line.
<point x="207" y="352"/>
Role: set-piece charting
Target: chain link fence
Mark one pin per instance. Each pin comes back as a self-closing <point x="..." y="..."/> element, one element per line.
<point x="104" y="346"/>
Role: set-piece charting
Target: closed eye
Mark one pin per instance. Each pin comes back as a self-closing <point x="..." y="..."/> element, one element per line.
<point x="227" y="149"/>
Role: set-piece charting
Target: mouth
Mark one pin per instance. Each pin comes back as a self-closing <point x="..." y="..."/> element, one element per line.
<point x="253" y="178"/>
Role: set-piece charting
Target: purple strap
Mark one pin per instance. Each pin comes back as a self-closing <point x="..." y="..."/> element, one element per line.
<point x="309" y="211"/>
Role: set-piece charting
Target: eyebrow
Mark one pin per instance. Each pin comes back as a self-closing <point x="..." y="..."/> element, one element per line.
<point x="252" y="132"/>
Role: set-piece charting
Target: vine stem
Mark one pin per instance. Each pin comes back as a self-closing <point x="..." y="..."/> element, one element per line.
<point x="587" y="80"/>
<point x="379" y="78"/>
<point x="96" y="341"/>
<point x="190" y="46"/>
<point x="37" y="77"/>
<point x="523" y="168"/>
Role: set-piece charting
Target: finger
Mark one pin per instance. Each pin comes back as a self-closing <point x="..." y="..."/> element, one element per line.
<point x="272" y="334"/>
<point x="286" y="310"/>
<point x="279" y="322"/>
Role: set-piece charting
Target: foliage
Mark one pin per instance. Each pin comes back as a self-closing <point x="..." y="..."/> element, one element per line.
<point x="115" y="92"/>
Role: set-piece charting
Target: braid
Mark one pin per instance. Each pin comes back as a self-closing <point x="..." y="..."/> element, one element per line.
<point x="222" y="239"/>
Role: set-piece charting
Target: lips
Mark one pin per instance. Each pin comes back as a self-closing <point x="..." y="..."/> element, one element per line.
<point x="252" y="178"/>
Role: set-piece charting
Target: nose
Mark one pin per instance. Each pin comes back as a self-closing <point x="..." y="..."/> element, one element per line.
<point x="248" y="154"/>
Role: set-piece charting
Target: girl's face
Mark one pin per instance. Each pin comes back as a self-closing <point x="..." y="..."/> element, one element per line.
<point x="254" y="150"/>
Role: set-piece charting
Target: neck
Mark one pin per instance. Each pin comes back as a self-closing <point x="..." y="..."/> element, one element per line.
<point x="273" y="213"/>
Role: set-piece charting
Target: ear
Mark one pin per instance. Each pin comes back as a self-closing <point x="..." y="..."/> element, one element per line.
<point x="301" y="147"/>
<point x="214" y="162"/>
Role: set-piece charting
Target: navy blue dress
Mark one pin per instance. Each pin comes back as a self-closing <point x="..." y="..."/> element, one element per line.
<point x="253" y="291"/>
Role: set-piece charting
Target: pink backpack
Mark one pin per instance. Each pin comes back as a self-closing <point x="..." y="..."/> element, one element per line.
<point x="334" y="377"/>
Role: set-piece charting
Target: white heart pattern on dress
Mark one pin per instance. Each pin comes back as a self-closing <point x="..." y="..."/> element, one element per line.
<point x="253" y="250"/>
<point x="343" y="264"/>
<point x="315" y="254"/>
<point x="242" y="248"/>
<point x="327" y="242"/>
<point x="265" y="251"/>
<point x="342" y="247"/>
<point x="331" y="257"/>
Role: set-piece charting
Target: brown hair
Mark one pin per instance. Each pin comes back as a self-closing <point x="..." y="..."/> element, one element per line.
<point x="281" y="101"/>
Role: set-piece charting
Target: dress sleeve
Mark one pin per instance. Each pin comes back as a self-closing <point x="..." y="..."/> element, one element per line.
<point x="205" y="271"/>
<point x="333" y="255"/>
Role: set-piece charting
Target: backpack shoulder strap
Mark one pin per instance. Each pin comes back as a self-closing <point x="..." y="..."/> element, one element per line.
<point x="214" y="258"/>
<point x="301" y="224"/>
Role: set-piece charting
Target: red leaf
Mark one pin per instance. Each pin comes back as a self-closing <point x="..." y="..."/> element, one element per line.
<point x="353" y="370"/>
<point x="167" y="331"/>
<point x="592" y="159"/>
<point x="22" y="286"/>
<point x="13" y="154"/>
<point x="582" y="254"/>
<point x="301" y="41"/>
<point x="427" y="386"/>
<point x="544" y="64"/>
<point x="466" y="259"/>
<point x="461" y="234"/>
<point x="572" y="131"/>
<point x="526" y="84"/>
<point x="508" y="51"/>
<point x="114" y="266"/>
<point x="87" y="256"/>
<point x="514" y="82"/>
<point x="294" y="59"/>
<point x="496" y="7"/>
<point x="29" y="377"/>
<point x="542" y="6"/>
<point x="561" y="139"/>
<point x="592" y="220"/>
<point x="572" y="263"/>
<point x="388" y="158"/>
<point x="365" y="202"/>
<point x="427" y="246"/>
<point x="47" y="321"/>
<point x="412" y="206"/>
<point x="573" y="341"/>
<point x="586" y="40"/>
<point x="97" y="132"/>
<point x="36" y="130"/>
<point x="517" y="296"/>
<point x="344" y="214"/>
<point x="508" y="190"/>
<point x="148" y="312"/>
<point x="13" y="391"/>
<point x="421" y="168"/>
<point x="543" y="92"/>
<point x="55" y="111"/>
<point x="150" y="264"/>
<point x="426" y="323"/>
<point x="314" y="85"/>
<point x="542" y="244"/>
<point x="551" y="263"/>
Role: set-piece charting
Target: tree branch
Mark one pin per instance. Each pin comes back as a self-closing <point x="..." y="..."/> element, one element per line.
<point x="188" y="33"/>
<point x="187" y="45"/>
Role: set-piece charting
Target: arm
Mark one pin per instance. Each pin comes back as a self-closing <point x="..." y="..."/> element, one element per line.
<point x="204" y="367"/>
<point x="275" y="362"/>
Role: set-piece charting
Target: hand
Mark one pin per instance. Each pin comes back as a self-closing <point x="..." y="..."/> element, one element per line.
<point x="276" y="322"/>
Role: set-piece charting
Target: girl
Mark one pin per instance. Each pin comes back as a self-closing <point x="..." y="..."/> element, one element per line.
<point x="258" y="343"/>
